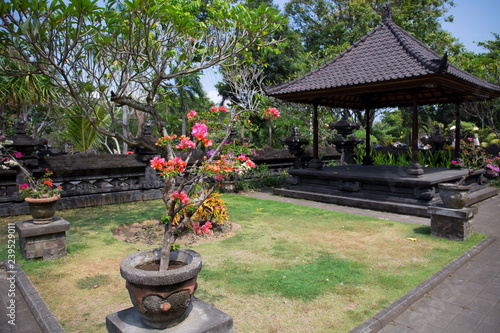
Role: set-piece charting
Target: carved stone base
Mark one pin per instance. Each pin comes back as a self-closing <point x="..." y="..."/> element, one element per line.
<point x="202" y="318"/>
<point x="453" y="224"/>
<point x="47" y="241"/>
<point x="415" y="170"/>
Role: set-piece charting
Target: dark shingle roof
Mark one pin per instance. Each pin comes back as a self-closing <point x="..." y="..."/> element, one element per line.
<point x="385" y="68"/>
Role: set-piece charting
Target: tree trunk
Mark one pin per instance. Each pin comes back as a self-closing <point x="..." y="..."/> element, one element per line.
<point x="166" y="247"/>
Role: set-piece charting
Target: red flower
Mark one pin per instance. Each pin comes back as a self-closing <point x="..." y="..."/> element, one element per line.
<point x="158" y="163"/>
<point x="183" y="197"/>
<point x="192" y="114"/>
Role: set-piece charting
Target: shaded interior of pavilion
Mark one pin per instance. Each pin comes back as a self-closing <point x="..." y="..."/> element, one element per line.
<point x="386" y="68"/>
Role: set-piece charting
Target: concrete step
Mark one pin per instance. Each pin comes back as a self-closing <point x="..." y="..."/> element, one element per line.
<point x="344" y="200"/>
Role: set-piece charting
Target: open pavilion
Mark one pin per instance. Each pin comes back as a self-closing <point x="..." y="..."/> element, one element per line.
<point x="386" y="68"/>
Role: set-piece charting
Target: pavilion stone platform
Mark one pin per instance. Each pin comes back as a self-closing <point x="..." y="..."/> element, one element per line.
<point x="202" y="318"/>
<point x="378" y="187"/>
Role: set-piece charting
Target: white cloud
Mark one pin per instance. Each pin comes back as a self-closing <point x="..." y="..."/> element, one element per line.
<point x="214" y="96"/>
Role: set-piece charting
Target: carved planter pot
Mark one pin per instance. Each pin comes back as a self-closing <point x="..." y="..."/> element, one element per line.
<point x="42" y="210"/>
<point x="162" y="298"/>
<point x="453" y="195"/>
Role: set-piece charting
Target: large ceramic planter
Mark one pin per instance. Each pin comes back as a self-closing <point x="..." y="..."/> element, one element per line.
<point x="42" y="210"/>
<point x="453" y="195"/>
<point x="162" y="298"/>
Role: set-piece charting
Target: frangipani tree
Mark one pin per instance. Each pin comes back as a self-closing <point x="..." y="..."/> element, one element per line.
<point x="127" y="51"/>
<point x="108" y="54"/>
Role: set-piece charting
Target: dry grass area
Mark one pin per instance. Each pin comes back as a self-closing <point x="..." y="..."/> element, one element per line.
<point x="289" y="269"/>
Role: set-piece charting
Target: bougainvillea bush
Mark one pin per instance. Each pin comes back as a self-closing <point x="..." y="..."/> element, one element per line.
<point x="475" y="158"/>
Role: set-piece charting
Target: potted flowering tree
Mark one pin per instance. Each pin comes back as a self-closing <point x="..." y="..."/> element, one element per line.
<point x="160" y="281"/>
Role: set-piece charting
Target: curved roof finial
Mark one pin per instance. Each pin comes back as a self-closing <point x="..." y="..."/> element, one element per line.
<point x="386" y="13"/>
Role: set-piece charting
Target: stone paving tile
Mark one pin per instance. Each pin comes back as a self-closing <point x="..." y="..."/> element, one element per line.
<point x="454" y="328"/>
<point x="395" y="328"/>
<point x="425" y="328"/>
<point x="491" y="292"/>
<point x="469" y="319"/>
<point x="493" y="317"/>
<point x="460" y="276"/>
<point x="455" y="300"/>
<point x="481" y="305"/>
<point x="422" y="319"/>
<point x="485" y="328"/>
<point x="470" y="289"/>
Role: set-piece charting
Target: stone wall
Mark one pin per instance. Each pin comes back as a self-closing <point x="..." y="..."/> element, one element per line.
<point x="101" y="179"/>
<point x="86" y="180"/>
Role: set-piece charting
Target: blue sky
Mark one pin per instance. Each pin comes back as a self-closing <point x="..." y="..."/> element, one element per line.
<point x="474" y="21"/>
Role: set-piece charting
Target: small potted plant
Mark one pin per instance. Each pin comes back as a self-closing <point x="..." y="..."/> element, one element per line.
<point x="40" y="193"/>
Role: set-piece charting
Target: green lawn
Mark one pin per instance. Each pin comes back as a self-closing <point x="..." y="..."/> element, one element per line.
<point x="289" y="267"/>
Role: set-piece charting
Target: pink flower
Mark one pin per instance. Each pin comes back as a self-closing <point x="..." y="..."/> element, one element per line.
<point x="17" y="154"/>
<point x="183" y="197"/>
<point x="249" y="164"/>
<point x="200" y="131"/>
<point x="23" y="186"/>
<point x="243" y="158"/>
<point x="206" y="227"/>
<point x="185" y="143"/>
<point x="271" y="113"/>
<point x="158" y="163"/>
<point x="191" y="114"/>
<point x="493" y="169"/>
<point x="196" y="228"/>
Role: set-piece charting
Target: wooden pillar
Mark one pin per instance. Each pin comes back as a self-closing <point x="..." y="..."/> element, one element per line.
<point x="415" y="168"/>
<point x="458" y="133"/>
<point x="315" y="133"/>
<point x="315" y="162"/>
<point x="368" y="160"/>
<point x="414" y="133"/>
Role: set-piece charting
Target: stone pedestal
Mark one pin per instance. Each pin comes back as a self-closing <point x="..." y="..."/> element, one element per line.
<point x="449" y="223"/>
<point x="203" y="318"/>
<point x="47" y="241"/>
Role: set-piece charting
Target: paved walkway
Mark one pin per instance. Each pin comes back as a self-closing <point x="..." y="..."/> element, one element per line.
<point x="467" y="300"/>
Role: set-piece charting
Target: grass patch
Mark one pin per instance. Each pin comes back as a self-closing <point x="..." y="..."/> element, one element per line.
<point x="289" y="267"/>
<point x="91" y="282"/>
<point x="304" y="280"/>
